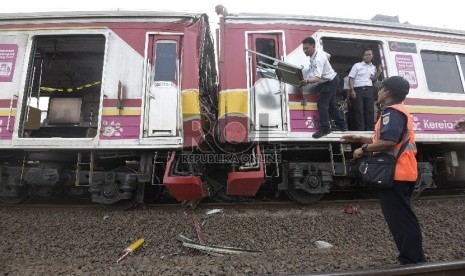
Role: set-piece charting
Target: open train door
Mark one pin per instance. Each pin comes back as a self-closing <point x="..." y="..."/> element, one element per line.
<point x="163" y="85"/>
<point x="267" y="92"/>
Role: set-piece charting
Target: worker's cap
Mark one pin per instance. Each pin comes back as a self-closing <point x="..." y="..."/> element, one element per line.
<point x="397" y="85"/>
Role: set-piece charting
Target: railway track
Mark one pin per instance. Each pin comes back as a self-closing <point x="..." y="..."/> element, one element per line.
<point x="248" y="205"/>
<point x="452" y="268"/>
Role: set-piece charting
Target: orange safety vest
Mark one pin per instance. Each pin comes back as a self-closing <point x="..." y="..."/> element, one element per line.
<point x="406" y="167"/>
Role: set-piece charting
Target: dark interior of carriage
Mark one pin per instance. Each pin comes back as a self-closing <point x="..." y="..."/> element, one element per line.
<point x="344" y="54"/>
<point x="62" y="95"/>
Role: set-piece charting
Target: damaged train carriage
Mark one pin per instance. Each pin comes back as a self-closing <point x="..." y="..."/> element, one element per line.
<point x="260" y="56"/>
<point x="120" y="104"/>
<point x="96" y="102"/>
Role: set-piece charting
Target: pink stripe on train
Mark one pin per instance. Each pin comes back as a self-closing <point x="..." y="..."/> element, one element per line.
<point x="120" y="127"/>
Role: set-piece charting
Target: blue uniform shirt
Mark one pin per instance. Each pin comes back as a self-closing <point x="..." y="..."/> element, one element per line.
<point x="393" y="125"/>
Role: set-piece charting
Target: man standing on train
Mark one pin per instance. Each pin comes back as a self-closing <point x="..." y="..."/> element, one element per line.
<point x="322" y="74"/>
<point x="361" y="79"/>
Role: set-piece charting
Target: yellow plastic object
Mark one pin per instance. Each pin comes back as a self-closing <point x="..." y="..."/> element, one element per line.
<point x="135" y="245"/>
<point x="130" y="249"/>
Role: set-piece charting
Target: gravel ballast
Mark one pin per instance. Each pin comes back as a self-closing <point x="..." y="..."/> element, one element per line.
<point x="88" y="241"/>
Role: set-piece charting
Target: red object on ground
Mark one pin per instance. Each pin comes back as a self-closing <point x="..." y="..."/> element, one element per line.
<point x="351" y="209"/>
<point x="199" y="232"/>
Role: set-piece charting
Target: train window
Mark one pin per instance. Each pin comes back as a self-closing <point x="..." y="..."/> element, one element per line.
<point x="266" y="46"/>
<point x="289" y="73"/>
<point x="442" y="72"/>
<point x="165" y="61"/>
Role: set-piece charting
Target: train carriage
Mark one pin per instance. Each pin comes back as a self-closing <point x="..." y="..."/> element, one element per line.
<point x="260" y="57"/>
<point x="96" y="102"/>
<point x="121" y="105"/>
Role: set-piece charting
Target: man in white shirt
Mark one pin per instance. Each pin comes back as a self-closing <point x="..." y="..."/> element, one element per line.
<point x="361" y="79"/>
<point x="327" y="81"/>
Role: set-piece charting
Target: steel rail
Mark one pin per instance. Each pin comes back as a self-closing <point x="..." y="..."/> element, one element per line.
<point x="450" y="268"/>
<point x="240" y="205"/>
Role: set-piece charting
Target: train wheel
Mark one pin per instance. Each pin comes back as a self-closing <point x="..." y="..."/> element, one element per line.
<point x="303" y="197"/>
<point x="112" y="190"/>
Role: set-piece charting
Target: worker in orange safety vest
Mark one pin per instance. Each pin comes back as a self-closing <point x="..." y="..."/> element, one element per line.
<point x="393" y="126"/>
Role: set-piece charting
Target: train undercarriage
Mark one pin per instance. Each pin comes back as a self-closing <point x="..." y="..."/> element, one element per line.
<point x="305" y="173"/>
<point x="111" y="178"/>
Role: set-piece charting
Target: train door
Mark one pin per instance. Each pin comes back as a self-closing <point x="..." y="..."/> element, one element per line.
<point x="63" y="86"/>
<point x="266" y="90"/>
<point x="345" y="52"/>
<point x="163" y="85"/>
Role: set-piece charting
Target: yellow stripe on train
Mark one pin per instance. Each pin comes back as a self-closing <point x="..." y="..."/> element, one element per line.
<point x="6" y="112"/>
<point x="113" y="111"/>
<point x="435" y="110"/>
<point x="190" y="104"/>
<point x="233" y="101"/>
<point x="298" y="106"/>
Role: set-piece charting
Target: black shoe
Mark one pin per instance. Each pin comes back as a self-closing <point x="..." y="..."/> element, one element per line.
<point x="339" y="128"/>
<point x="320" y="133"/>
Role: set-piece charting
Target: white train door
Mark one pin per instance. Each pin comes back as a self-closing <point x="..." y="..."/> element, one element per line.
<point x="266" y="90"/>
<point x="163" y="85"/>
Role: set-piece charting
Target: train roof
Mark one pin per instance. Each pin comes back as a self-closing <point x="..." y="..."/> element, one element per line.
<point x="266" y="18"/>
<point x="97" y="15"/>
